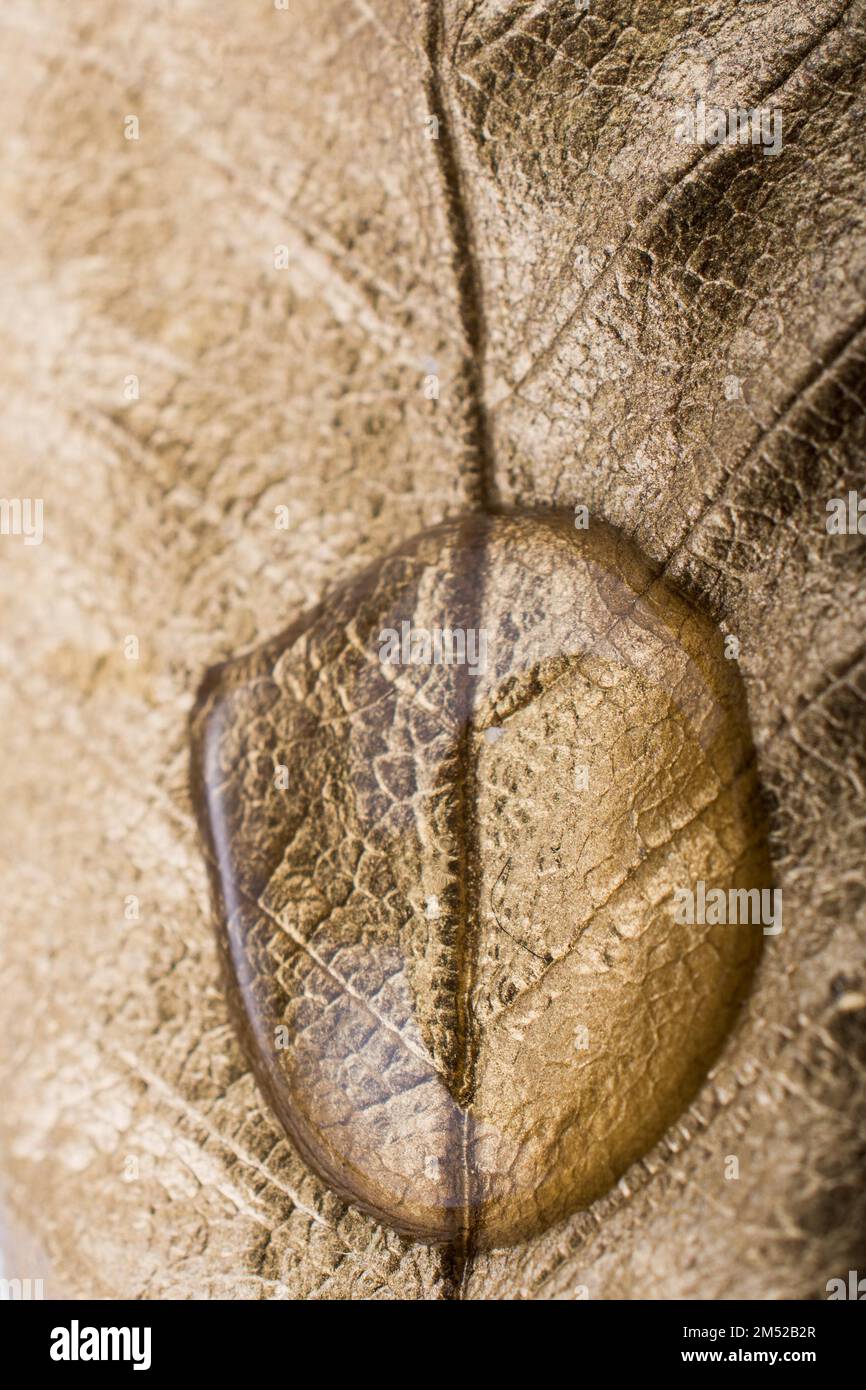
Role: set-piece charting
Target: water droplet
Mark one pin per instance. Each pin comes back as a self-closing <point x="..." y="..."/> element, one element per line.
<point x="432" y="1074"/>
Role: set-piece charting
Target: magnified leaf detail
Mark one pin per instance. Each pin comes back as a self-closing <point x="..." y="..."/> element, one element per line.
<point x="445" y="887"/>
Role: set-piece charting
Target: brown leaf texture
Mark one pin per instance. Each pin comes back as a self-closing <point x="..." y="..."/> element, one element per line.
<point x="584" y="288"/>
<point x="441" y="924"/>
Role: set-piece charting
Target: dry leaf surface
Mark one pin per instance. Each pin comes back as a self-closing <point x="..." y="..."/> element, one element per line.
<point x="584" y="288"/>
